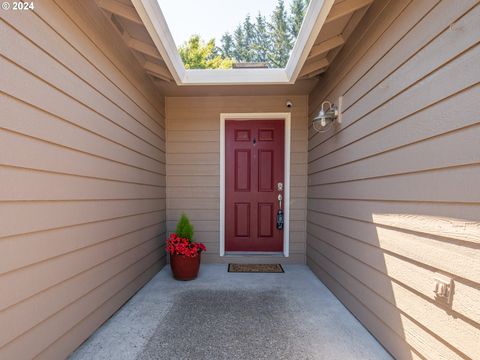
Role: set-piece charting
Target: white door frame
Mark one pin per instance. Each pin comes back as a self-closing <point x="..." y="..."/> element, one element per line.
<point x="256" y="116"/>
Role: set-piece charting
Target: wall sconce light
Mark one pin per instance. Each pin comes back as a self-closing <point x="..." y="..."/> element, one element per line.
<point x="329" y="113"/>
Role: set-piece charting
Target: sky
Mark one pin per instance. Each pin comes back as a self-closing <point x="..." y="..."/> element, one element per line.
<point x="210" y="18"/>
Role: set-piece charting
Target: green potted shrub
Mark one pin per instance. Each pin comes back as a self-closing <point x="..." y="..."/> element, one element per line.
<point x="185" y="254"/>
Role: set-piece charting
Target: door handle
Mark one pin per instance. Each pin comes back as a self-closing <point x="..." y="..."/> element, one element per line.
<point x="280" y="213"/>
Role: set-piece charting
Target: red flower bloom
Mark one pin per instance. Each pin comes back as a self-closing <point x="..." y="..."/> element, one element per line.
<point x="180" y="246"/>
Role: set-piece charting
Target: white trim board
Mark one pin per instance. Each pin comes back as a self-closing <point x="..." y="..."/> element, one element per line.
<point x="288" y="130"/>
<point x="156" y="25"/>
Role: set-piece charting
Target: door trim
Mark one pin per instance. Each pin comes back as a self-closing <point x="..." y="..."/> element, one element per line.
<point x="286" y="117"/>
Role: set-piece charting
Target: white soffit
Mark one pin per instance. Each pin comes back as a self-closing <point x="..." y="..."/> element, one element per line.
<point x="156" y="25"/>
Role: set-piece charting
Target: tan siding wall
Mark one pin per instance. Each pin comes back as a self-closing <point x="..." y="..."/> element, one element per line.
<point x="82" y="174"/>
<point x="193" y="158"/>
<point x="393" y="192"/>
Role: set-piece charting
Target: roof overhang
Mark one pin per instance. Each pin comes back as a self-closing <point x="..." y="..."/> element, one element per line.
<point x="156" y="25"/>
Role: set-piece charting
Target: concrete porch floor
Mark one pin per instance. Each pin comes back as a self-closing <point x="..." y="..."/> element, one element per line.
<point x="233" y="316"/>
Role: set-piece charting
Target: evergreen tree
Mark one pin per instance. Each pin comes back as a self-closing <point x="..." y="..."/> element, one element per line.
<point x="297" y="11"/>
<point x="227" y="46"/>
<point x="280" y="36"/>
<point x="261" y="43"/>
<point x="249" y="38"/>
<point x="184" y="228"/>
<point x="239" y="48"/>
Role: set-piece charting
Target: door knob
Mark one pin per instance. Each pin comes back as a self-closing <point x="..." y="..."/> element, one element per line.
<point x="280" y="213"/>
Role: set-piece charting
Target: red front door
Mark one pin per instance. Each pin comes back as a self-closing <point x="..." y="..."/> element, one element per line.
<point x="254" y="178"/>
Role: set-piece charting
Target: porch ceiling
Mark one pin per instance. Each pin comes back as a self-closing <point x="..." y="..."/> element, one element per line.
<point x="326" y="38"/>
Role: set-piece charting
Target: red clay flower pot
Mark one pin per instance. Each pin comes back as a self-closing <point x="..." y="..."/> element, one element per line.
<point x="185" y="267"/>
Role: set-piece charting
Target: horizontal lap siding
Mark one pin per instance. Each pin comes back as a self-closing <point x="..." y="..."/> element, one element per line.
<point x="393" y="192"/>
<point x="193" y="170"/>
<point x="82" y="168"/>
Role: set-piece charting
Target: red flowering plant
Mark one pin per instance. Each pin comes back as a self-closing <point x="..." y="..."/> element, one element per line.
<point x="180" y="242"/>
<point x="182" y="246"/>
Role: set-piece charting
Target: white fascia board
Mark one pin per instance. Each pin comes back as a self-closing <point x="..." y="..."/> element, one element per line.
<point x="156" y="25"/>
<point x="236" y="76"/>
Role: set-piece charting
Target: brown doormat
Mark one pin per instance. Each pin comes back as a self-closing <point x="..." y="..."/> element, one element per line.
<point x="255" y="268"/>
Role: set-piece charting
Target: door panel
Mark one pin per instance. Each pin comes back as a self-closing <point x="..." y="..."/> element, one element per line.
<point x="254" y="165"/>
<point x="265" y="170"/>
<point x="242" y="219"/>
<point x="265" y="220"/>
<point x="242" y="164"/>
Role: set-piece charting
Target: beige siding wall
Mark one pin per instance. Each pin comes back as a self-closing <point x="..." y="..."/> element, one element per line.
<point x="193" y="158"/>
<point x="393" y="192"/>
<point x="82" y="174"/>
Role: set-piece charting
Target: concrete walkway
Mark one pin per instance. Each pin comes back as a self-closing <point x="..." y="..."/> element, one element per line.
<point x="233" y="316"/>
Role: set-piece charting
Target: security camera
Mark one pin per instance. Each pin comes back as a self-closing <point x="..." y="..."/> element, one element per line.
<point x="289" y="104"/>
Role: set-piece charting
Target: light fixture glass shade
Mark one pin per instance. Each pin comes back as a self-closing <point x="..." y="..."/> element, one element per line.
<point x="325" y="118"/>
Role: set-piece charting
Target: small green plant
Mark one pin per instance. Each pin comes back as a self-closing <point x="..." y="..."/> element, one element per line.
<point x="184" y="228"/>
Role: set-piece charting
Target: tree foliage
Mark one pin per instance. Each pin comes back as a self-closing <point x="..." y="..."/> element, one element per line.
<point x="239" y="48"/>
<point x="196" y="54"/>
<point x="184" y="228"/>
<point x="269" y="40"/>
<point x="262" y="41"/>
<point x="227" y="46"/>
<point x="297" y="12"/>
<point x="280" y="36"/>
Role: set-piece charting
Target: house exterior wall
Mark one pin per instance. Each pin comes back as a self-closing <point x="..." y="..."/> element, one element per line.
<point x="82" y="174"/>
<point x="393" y="191"/>
<point x="193" y="166"/>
